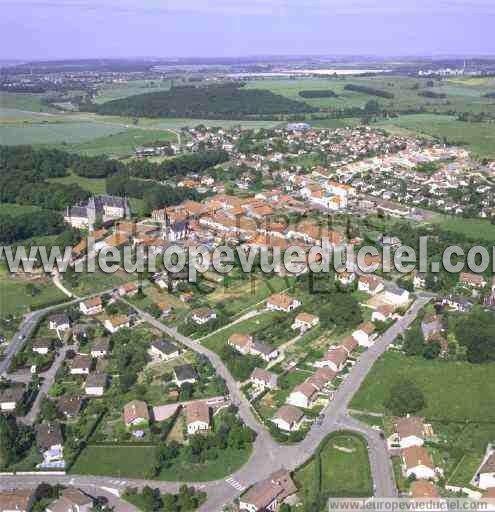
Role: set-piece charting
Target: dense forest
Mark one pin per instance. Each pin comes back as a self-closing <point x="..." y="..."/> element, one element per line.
<point x="227" y="101"/>
<point x="327" y="93"/>
<point x="369" y="90"/>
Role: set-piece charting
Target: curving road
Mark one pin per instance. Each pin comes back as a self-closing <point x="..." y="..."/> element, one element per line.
<point x="268" y="455"/>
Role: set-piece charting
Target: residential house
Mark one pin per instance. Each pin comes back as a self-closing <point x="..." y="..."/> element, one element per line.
<point x="185" y="373"/>
<point x="128" y="289"/>
<point x="304" y="395"/>
<point x="81" y="365"/>
<point x="163" y="350"/>
<point x="282" y="302"/>
<point x="202" y="316"/>
<point x="136" y="414"/>
<point x="350" y="344"/>
<point x="59" y="322"/>
<point x="95" y="384"/>
<point x="241" y="342"/>
<point x="50" y="442"/>
<point x="345" y="278"/>
<point x="458" y="303"/>
<point x="365" y="334"/>
<point x="410" y="431"/>
<point x="370" y="284"/>
<point x="263" y="379"/>
<point x="419" y="280"/>
<point x="197" y="417"/>
<point x="431" y="325"/>
<point x="334" y="359"/>
<point x="305" y="321"/>
<point x="115" y="323"/>
<point x="396" y="296"/>
<point x="424" y="490"/>
<point x="472" y="280"/>
<point x="100" y="348"/>
<point x="486" y="473"/>
<point x="69" y="405"/>
<point x="417" y="462"/>
<point x="268" y="494"/>
<point x="92" y="306"/>
<point x="383" y="313"/>
<point x="11" y="397"/>
<point x="71" y="500"/>
<point x="288" y="418"/>
<point x="165" y="308"/>
<point x="322" y="378"/>
<point x="18" y="500"/>
<point x="42" y="346"/>
<point x="263" y="350"/>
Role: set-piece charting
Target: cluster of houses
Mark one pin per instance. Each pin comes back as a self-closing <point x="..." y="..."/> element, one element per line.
<point x="71" y="499"/>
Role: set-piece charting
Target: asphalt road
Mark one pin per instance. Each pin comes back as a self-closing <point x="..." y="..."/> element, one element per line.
<point x="268" y="455"/>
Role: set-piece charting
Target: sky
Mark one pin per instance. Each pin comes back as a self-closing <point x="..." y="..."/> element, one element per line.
<point x="54" y="29"/>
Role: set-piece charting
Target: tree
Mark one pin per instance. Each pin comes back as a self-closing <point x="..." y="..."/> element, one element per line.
<point x="432" y="350"/>
<point x="405" y="398"/>
<point x="7" y="442"/>
<point x="414" y="342"/>
<point x="476" y="332"/>
<point x="342" y="310"/>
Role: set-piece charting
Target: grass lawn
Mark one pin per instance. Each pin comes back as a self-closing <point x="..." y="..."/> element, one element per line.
<point x="98" y="281"/>
<point x="93" y="185"/>
<point x="117" y="91"/>
<point x="24" y="102"/>
<point x="478" y="228"/>
<point x="345" y="470"/>
<point x="15" y="299"/>
<point x="122" y="143"/>
<point x="442" y="382"/>
<point x="135" y="461"/>
<point x="17" y="209"/>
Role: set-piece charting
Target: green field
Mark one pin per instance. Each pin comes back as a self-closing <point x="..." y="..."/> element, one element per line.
<point x="55" y="132"/>
<point x="94" y="185"/>
<point x="122" y="143"/>
<point x="15" y="298"/>
<point x="339" y="468"/>
<point x="442" y="382"/>
<point x="135" y="462"/>
<point x="479" y="229"/>
<point x="16" y="209"/>
<point x="477" y="137"/>
<point x="117" y="91"/>
<point x="23" y="102"/>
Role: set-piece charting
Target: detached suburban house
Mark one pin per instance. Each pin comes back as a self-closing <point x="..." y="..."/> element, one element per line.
<point x="59" y="322"/>
<point x="197" y="417"/>
<point x="303" y="395"/>
<point x="185" y="373"/>
<point x="335" y="359"/>
<point x="92" y="306"/>
<point x="100" y="348"/>
<point x="42" y="346"/>
<point x="71" y="500"/>
<point x="370" y="284"/>
<point x="288" y="418"/>
<point x="417" y="462"/>
<point x="50" y="442"/>
<point x="472" y="280"/>
<point x="263" y="379"/>
<point x="282" y="302"/>
<point x="365" y="334"/>
<point x="396" y="296"/>
<point x="11" y="397"/>
<point x="486" y="474"/>
<point x="163" y="350"/>
<point x="136" y="414"/>
<point x="424" y="490"/>
<point x="263" y="350"/>
<point x="409" y="431"/>
<point x="81" y="365"/>
<point x="241" y="342"/>
<point x="128" y="289"/>
<point x="202" y="316"/>
<point x="383" y="313"/>
<point x="96" y="384"/>
<point x="18" y="500"/>
<point x="305" y="321"/>
<point x="115" y="323"/>
<point x="268" y="494"/>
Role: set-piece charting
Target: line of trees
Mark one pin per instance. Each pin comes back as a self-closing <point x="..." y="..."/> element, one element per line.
<point x="369" y="90"/>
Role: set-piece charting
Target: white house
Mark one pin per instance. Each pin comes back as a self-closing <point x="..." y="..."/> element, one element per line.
<point x="81" y="365"/>
<point x="417" y="462"/>
<point x="136" y="413"/>
<point x="95" y="384"/>
<point x="197" y="417"/>
<point x="396" y="296"/>
<point x="486" y="474"/>
<point x="303" y="396"/>
<point x="382" y="313"/>
<point x="11" y="397"/>
<point x="92" y="306"/>
<point x="409" y="431"/>
<point x="334" y="359"/>
<point x="365" y="334"/>
<point x="163" y="350"/>
<point x="282" y="302"/>
<point x="263" y="379"/>
<point x="370" y="284"/>
<point x="115" y="323"/>
<point x="288" y="418"/>
<point x="305" y="321"/>
<point x="203" y="315"/>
